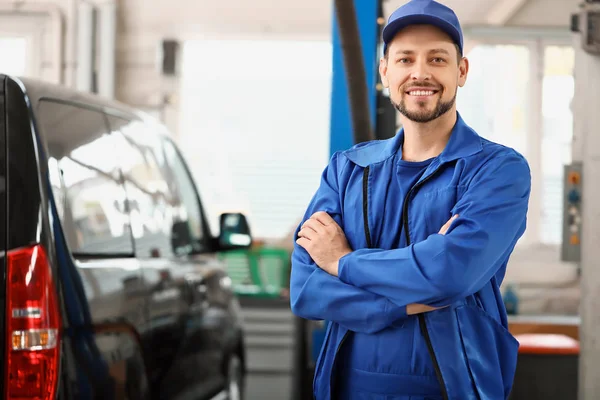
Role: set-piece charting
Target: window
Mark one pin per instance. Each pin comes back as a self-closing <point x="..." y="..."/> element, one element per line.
<point x="165" y="215"/>
<point x="495" y="99"/>
<point x="526" y="104"/>
<point x="85" y="180"/>
<point x="259" y="148"/>
<point x="558" y="88"/>
<point x="147" y="194"/>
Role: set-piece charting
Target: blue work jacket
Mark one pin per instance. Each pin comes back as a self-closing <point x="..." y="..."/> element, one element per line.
<point x="488" y="185"/>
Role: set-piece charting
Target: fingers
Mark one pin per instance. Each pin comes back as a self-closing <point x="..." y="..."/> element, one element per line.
<point x="320" y="223"/>
<point x="303" y="242"/>
<point x="312" y="225"/>
<point x="310" y="228"/>
<point x="447" y="225"/>
<point x="415" y="308"/>
<point x="323" y="218"/>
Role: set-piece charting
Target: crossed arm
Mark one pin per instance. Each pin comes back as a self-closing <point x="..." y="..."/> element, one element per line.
<point x="326" y="243"/>
<point x="367" y="290"/>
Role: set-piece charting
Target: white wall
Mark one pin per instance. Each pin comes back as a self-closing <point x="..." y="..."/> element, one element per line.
<point x="143" y="24"/>
<point x="548" y="13"/>
<point x="45" y="26"/>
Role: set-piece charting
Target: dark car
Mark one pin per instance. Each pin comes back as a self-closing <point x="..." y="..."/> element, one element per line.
<point x="112" y="287"/>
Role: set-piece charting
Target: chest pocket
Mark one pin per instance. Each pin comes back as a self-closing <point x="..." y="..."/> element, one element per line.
<point x="431" y="208"/>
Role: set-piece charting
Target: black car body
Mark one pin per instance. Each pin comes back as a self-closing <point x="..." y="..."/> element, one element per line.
<point x="111" y="287"/>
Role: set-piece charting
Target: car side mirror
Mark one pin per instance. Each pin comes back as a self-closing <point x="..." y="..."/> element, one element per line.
<point x="234" y="232"/>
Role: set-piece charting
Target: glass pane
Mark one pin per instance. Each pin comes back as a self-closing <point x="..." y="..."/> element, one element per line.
<point x="147" y="191"/>
<point x="85" y="180"/>
<point x="557" y="119"/>
<point x="165" y="213"/>
<point x="494" y="100"/>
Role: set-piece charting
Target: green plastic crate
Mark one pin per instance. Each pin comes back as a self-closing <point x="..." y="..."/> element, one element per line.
<point x="261" y="272"/>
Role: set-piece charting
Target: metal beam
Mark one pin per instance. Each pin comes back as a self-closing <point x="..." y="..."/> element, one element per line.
<point x="503" y="11"/>
<point x="341" y="128"/>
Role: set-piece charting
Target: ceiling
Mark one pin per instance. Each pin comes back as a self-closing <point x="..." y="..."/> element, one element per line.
<point x="312" y="18"/>
<point x="469" y="11"/>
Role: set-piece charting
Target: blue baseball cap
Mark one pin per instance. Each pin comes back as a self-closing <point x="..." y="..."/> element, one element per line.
<point x="428" y="12"/>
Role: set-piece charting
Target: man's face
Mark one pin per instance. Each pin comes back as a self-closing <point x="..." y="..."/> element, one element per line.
<point x="423" y="71"/>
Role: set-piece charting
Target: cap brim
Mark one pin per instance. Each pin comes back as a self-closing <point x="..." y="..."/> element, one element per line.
<point x="390" y="30"/>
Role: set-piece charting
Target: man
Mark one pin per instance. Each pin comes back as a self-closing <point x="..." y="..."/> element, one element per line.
<point x="415" y="311"/>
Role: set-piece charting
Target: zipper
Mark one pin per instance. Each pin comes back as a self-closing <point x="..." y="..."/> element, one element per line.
<point x="422" y="321"/>
<point x="366" y="206"/>
<point x="333" y="379"/>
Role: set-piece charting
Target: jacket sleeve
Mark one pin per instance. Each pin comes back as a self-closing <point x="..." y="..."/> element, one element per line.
<point x="445" y="268"/>
<point x="316" y="295"/>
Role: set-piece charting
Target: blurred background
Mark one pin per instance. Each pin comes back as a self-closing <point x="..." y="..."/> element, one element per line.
<point x="255" y="95"/>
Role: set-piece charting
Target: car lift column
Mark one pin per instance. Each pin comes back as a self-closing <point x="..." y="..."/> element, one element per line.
<point x="586" y="149"/>
<point x="367" y="12"/>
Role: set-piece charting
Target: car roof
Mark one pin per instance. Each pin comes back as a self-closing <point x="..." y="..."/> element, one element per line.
<point x="37" y="90"/>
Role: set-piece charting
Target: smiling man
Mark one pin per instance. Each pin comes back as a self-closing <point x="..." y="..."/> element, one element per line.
<point x="405" y="244"/>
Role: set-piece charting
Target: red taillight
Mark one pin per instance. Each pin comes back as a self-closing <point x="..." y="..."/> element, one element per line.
<point x="33" y="326"/>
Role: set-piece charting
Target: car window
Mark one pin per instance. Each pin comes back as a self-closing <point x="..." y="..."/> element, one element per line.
<point x="160" y="217"/>
<point x="185" y="190"/>
<point x="85" y="180"/>
<point x="147" y="194"/>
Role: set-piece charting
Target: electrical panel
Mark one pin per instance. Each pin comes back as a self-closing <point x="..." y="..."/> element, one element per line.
<point x="589" y="27"/>
<point x="572" y="212"/>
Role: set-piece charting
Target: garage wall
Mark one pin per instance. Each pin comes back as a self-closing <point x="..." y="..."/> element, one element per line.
<point x="142" y="24"/>
<point x="549" y="13"/>
<point x="46" y="26"/>
<point x="142" y="27"/>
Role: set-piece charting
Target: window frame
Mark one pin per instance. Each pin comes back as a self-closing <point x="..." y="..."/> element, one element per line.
<point x="207" y="241"/>
<point x="39" y="125"/>
<point x="536" y="40"/>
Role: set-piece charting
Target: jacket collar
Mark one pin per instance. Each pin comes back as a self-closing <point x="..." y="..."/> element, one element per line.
<point x="464" y="141"/>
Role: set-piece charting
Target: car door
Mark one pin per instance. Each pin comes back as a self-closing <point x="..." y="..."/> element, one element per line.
<point x="167" y="225"/>
<point x="99" y="276"/>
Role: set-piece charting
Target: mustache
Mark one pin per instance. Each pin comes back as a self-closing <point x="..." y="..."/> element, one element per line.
<point x="421" y="85"/>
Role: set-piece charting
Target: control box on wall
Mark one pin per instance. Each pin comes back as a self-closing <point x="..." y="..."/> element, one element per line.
<point x="587" y="22"/>
<point x="572" y="212"/>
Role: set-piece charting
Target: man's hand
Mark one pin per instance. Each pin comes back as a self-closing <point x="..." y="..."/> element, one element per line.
<point x="324" y="241"/>
<point x="412" y="309"/>
<point x="446" y="226"/>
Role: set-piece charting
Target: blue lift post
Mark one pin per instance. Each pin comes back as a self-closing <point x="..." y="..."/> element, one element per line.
<point x="340" y="135"/>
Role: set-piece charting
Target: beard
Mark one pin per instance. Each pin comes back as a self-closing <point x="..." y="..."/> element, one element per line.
<point x="424" y="116"/>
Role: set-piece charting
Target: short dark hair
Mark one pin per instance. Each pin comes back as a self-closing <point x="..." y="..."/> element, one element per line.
<point x="459" y="55"/>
